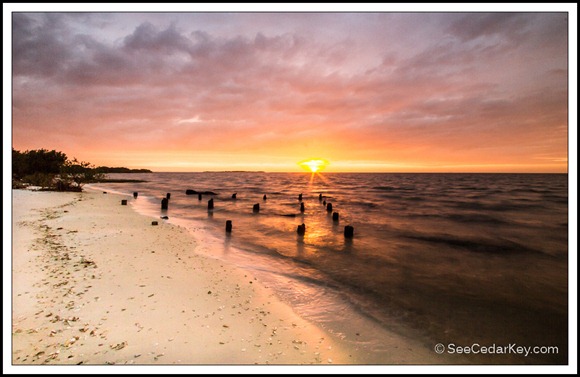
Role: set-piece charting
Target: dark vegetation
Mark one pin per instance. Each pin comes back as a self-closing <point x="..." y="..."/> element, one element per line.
<point x="52" y="170"/>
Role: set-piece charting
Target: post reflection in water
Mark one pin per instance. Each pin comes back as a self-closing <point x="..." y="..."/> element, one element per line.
<point x="492" y="248"/>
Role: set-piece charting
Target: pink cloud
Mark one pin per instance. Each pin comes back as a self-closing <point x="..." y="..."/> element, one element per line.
<point x="179" y="87"/>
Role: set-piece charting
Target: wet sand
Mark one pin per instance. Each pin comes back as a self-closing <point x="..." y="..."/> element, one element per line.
<point x="95" y="283"/>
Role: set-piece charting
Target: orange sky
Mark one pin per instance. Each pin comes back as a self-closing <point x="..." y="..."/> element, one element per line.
<point x="416" y="92"/>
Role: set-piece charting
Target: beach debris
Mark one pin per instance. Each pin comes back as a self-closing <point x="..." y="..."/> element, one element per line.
<point x="229" y="226"/>
<point x="135" y="194"/>
<point x="71" y="341"/>
<point x="53" y="355"/>
<point x="210" y="204"/>
<point x="335" y="216"/>
<point x="193" y="192"/>
<point x="301" y="229"/>
<point x="87" y="262"/>
<point x="118" y="346"/>
<point x="154" y="223"/>
<point x="348" y="231"/>
<point x="256" y="208"/>
<point x="329" y="207"/>
<point x="164" y="203"/>
<point x="209" y="292"/>
<point x="124" y="202"/>
<point x="165" y="217"/>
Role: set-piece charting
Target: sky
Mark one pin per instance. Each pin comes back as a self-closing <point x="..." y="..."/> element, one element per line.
<point x="383" y="91"/>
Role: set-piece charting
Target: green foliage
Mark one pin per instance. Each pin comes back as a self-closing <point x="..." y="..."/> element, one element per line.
<point x="106" y="169"/>
<point x="36" y="161"/>
<point x="76" y="173"/>
<point x="43" y="180"/>
<point x="51" y="170"/>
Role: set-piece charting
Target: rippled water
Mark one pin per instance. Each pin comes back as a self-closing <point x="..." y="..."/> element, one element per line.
<point x="454" y="257"/>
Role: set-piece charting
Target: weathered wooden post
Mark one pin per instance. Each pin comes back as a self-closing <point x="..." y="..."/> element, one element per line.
<point x="135" y="194"/>
<point x="234" y="196"/>
<point x="210" y="204"/>
<point x="302" y="207"/>
<point x="229" y="226"/>
<point x="256" y="208"/>
<point x="301" y="229"/>
<point x="319" y="197"/>
<point x="124" y="202"/>
<point x="329" y="207"/>
<point x="335" y="216"/>
<point x="265" y="197"/>
<point x="348" y="231"/>
<point x="300" y="197"/>
<point x="199" y="196"/>
<point x="164" y="203"/>
<point x="168" y="196"/>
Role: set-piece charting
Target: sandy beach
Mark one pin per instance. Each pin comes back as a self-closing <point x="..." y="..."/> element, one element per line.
<point x="95" y="283"/>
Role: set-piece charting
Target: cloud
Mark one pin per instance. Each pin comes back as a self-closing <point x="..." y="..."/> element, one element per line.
<point x="394" y="91"/>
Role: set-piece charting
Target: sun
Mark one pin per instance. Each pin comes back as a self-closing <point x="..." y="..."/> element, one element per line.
<point x="313" y="165"/>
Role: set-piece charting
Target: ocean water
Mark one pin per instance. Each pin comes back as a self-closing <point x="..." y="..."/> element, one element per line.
<point x="450" y="258"/>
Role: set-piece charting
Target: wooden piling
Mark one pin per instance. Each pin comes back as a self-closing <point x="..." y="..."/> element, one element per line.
<point x="319" y="197"/>
<point x="229" y="226"/>
<point x="265" y="197"/>
<point x="335" y="216"/>
<point x="154" y="223"/>
<point x="329" y="207"/>
<point x="234" y="196"/>
<point x="168" y="196"/>
<point x="199" y="196"/>
<point x="301" y="229"/>
<point x="210" y="204"/>
<point x="302" y="207"/>
<point x="124" y="202"/>
<point x="164" y="203"/>
<point x="348" y="231"/>
<point x="256" y="208"/>
<point x="135" y="194"/>
<point x="300" y="197"/>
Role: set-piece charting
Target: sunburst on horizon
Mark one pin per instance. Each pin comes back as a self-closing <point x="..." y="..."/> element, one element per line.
<point x="314" y="165"/>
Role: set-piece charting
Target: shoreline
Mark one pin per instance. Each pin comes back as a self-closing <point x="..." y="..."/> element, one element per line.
<point x="94" y="283"/>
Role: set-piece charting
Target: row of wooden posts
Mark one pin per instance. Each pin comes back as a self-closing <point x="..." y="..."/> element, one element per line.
<point x="348" y="229"/>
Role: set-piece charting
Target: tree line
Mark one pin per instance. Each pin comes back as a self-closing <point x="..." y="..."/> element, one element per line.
<point x="53" y="170"/>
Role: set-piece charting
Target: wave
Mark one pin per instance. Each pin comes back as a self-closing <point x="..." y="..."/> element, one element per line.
<point x="503" y="246"/>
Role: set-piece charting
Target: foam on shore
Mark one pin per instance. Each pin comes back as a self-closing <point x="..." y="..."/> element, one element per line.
<point x="94" y="283"/>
